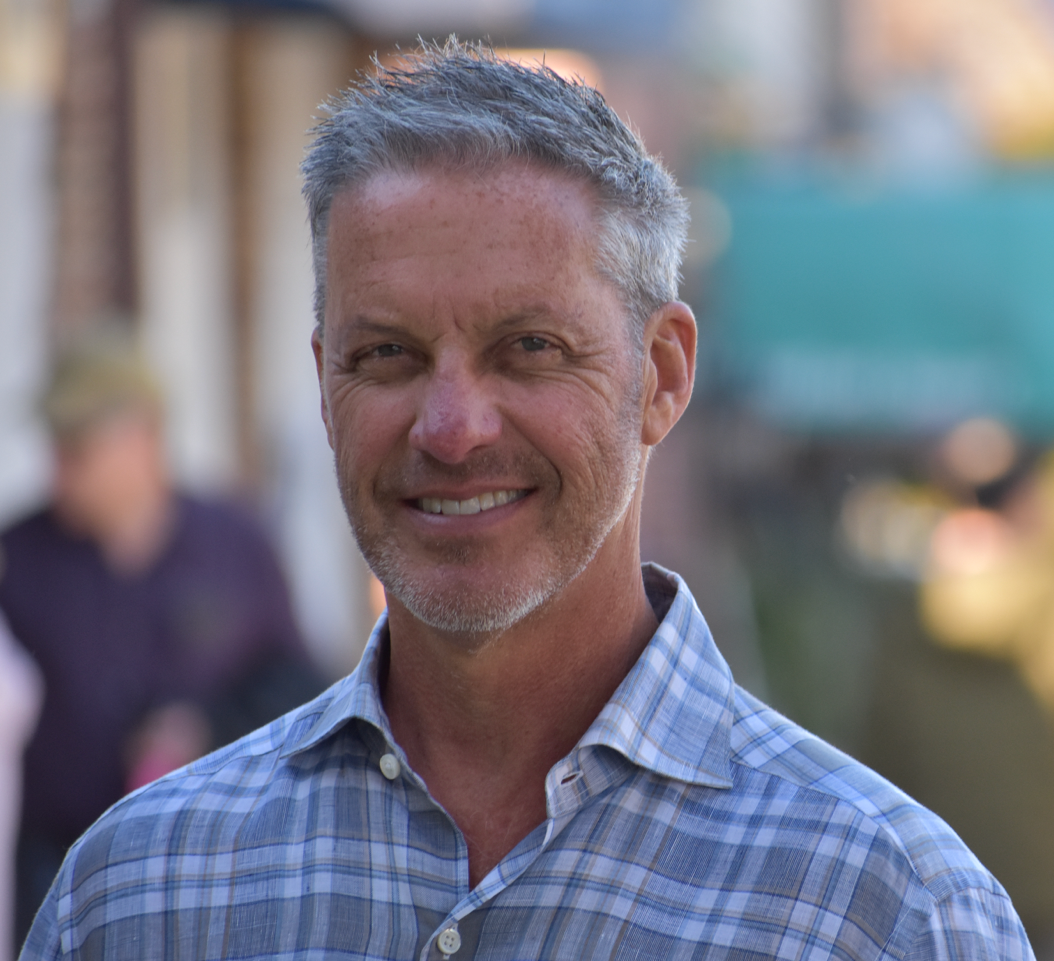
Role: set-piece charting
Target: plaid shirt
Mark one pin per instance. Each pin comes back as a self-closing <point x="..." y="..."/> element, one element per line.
<point x="690" y="821"/>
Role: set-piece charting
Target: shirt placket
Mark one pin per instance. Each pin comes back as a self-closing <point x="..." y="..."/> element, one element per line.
<point x="565" y="793"/>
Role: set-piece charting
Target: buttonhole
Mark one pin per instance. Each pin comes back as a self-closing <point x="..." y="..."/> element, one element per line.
<point x="571" y="778"/>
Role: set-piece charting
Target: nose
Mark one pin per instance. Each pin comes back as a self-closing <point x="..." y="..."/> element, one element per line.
<point x="456" y="415"/>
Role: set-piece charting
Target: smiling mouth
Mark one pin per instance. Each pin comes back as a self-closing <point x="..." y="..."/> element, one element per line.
<point x="474" y="505"/>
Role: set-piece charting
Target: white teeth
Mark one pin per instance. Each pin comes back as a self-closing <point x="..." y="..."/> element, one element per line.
<point x="474" y="505"/>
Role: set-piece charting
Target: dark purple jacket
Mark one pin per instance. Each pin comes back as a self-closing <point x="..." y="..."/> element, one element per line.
<point x="209" y="616"/>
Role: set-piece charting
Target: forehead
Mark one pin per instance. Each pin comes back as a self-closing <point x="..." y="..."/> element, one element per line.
<point x="510" y="190"/>
<point x="492" y="233"/>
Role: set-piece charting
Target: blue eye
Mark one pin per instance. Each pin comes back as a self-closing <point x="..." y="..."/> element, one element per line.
<point x="533" y="343"/>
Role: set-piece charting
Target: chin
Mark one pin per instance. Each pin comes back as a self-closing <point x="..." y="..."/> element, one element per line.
<point x="461" y="587"/>
<point x="465" y="600"/>
<point x="463" y="616"/>
<point x="459" y="609"/>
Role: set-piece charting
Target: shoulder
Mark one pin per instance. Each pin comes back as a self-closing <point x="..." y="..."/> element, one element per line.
<point x="202" y="810"/>
<point x="265" y="806"/>
<point x="864" y="815"/>
<point x="907" y="880"/>
<point x="223" y="532"/>
<point x="185" y="835"/>
<point x="33" y="528"/>
<point x="218" y="515"/>
<point x="32" y="550"/>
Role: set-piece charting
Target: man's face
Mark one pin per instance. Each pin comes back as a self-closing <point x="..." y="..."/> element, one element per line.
<point x="480" y="389"/>
<point x="107" y="469"/>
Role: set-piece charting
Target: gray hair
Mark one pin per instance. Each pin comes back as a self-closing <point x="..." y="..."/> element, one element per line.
<point x="460" y="104"/>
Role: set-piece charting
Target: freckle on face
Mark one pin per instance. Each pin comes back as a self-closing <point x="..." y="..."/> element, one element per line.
<point x="448" y="256"/>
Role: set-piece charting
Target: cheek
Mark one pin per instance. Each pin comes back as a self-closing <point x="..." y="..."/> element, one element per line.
<point x="592" y="445"/>
<point x="367" y="427"/>
<point x="92" y="486"/>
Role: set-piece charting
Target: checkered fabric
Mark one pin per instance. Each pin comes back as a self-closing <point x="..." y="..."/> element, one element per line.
<point x="691" y="821"/>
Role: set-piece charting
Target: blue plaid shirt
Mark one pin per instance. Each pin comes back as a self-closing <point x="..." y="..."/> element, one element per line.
<point x="691" y="821"/>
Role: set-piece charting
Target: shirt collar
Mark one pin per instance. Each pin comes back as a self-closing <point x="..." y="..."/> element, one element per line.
<point x="671" y="714"/>
<point x="356" y="696"/>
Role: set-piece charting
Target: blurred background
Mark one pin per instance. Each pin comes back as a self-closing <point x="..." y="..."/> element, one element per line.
<point x="861" y="494"/>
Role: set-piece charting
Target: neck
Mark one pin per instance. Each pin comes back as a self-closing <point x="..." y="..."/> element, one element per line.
<point x="483" y="723"/>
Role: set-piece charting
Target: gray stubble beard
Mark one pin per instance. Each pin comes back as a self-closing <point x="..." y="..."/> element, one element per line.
<point x="462" y="614"/>
<point x="473" y="614"/>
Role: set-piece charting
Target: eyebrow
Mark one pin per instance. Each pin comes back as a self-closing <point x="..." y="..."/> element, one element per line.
<point x="513" y="317"/>
<point x="361" y="323"/>
<point x="521" y="316"/>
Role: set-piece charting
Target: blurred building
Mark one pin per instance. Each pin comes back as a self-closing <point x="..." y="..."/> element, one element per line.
<point x="29" y="72"/>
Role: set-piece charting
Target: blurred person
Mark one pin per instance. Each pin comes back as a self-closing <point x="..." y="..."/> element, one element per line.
<point x="21" y="692"/>
<point x="160" y="622"/>
<point x="989" y="581"/>
<point x="542" y="754"/>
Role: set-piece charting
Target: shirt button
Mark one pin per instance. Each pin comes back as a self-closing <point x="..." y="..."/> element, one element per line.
<point x="390" y="766"/>
<point x="449" y="941"/>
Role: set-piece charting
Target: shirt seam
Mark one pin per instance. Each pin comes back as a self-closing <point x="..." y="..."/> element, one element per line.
<point x="934" y="903"/>
<point x="958" y="879"/>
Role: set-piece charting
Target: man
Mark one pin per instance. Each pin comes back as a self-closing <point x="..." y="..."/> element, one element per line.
<point x="160" y="622"/>
<point x="542" y="753"/>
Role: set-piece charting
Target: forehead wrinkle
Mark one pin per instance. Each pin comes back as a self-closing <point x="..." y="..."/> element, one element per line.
<point x="575" y="247"/>
<point x="490" y="181"/>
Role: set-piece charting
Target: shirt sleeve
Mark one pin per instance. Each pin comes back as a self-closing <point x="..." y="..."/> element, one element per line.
<point x="43" y="942"/>
<point x="972" y="925"/>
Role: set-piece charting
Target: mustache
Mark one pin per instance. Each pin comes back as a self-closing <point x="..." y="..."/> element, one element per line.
<point x="503" y="469"/>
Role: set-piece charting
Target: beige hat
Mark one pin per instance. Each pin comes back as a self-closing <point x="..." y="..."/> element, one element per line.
<point x="96" y="378"/>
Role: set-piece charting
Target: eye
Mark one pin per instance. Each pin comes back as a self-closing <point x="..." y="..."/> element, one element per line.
<point x="533" y="344"/>
<point x="384" y="360"/>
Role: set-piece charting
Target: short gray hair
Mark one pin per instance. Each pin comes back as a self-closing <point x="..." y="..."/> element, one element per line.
<point x="462" y="105"/>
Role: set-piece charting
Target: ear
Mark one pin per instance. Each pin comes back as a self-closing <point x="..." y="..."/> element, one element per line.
<point x="318" y="348"/>
<point x="669" y="369"/>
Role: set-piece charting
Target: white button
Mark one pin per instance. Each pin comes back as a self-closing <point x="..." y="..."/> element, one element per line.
<point x="448" y="941"/>
<point x="390" y="766"/>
